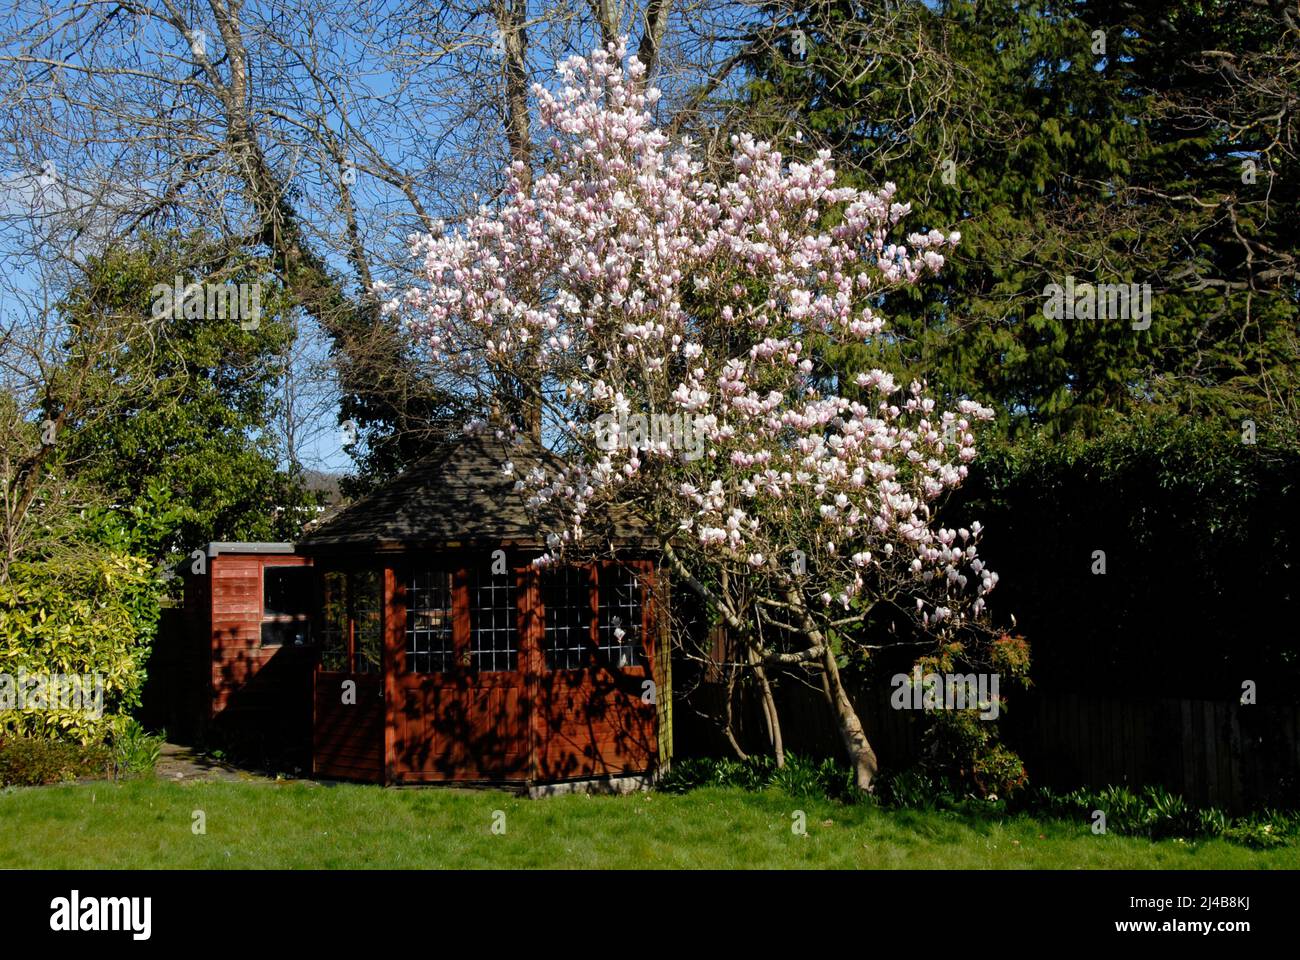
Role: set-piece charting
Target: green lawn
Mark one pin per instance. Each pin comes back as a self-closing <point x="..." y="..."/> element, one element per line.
<point x="147" y="823"/>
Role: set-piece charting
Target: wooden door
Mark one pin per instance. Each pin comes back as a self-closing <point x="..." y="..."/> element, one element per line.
<point x="348" y="700"/>
<point x="596" y="700"/>
<point x="460" y="703"/>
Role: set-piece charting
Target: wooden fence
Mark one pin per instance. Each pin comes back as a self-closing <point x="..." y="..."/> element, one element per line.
<point x="1223" y="754"/>
<point x="1214" y="753"/>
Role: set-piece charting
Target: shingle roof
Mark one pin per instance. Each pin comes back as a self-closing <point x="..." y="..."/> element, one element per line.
<point x="459" y="495"/>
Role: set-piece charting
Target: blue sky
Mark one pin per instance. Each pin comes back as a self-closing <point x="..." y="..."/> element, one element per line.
<point x="417" y="118"/>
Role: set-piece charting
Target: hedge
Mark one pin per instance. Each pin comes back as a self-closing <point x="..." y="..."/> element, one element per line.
<point x="1199" y="531"/>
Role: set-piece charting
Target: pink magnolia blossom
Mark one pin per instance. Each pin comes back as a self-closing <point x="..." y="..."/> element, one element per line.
<point x="623" y="281"/>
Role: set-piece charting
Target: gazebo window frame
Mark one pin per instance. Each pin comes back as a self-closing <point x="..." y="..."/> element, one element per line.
<point x="470" y="656"/>
<point x="613" y="616"/>
<point x="497" y="622"/>
<point x="578" y="651"/>
<point x="601" y="575"/>
<point x="352" y="650"/>
<point x="441" y="585"/>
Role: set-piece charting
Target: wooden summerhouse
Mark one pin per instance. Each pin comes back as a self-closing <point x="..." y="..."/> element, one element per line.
<point x="420" y="643"/>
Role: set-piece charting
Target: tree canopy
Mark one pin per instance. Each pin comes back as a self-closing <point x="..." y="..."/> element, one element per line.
<point x="1105" y="142"/>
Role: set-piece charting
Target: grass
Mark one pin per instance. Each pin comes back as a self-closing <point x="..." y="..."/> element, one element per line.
<point x="302" y="825"/>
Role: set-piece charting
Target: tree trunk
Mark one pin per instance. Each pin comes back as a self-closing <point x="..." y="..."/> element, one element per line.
<point x="769" y="709"/>
<point x="728" y="723"/>
<point x="861" y="756"/>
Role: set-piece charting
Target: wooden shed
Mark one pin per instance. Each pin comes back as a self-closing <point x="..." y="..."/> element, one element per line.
<point x="420" y="643"/>
<point x="248" y="609"/>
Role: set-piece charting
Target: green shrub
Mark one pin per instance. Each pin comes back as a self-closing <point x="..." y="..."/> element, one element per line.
<point x="910" y="790"/>
<point x="685" y="774"/>
<point x="1264" y="830"/>
<point x="1151" y="812"/>
<point x="90" y="613"/>
<point x="962" y="747"/>
<point x="751" y="774"/>
<point x="1167" y="814"/>
<point x="30" y="761"/>
<point x="804" y="777"/>
<point x="1156" y="813"/>
<point x="1211" y="823"/>
<point x="800" y="777"/>
<point x="136" y="750"/>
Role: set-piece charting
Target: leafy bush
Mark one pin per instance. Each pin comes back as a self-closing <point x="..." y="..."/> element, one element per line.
<point x="1264" y="830"/>
<point x="1199" y="532"/>
<point x="911" y="790"/>
<point x="1211" y="822"/>
<point x="963" y="749"/>
<point x="826" y="779"/>
<point x="800" y="777"/>
<point x="1155" y="813"/>
<point x="89" y="612"/>
<point x="696" y="772"/>
<point x="30" y="761"/>
<point x="1151" y="812"/>
<point x="803" y="777"/>
<point x="136" y="750"/>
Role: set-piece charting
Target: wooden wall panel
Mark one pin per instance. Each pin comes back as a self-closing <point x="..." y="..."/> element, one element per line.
<point x="254" y="690"/>
<point x="348" y="738"/>
<point x="524" y="724"/>
<point x="238" y="657"/>
<point x="593" y="723"/>
<point x="459" y="728"/>
<point x="597" y="722"/>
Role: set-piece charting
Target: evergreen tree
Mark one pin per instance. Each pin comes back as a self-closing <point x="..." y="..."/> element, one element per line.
<point x="1090" y="142"/>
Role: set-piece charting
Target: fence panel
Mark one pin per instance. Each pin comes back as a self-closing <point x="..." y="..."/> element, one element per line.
<point x="1224" y="754"/>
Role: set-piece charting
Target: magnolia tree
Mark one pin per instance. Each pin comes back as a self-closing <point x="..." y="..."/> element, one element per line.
<point x="667" y="326"/>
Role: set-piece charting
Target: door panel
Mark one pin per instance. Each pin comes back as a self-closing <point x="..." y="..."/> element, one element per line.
<point x="462" y="719"/>
<point x="461" y="730"/>
<point x="348" y="727"/>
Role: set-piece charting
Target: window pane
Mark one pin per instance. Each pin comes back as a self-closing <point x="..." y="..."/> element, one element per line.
<point x="285" y="633"/>
<point x="428" y="622"/>
<point x="620" y="617"/>
<point x="493" y="639"/>
<point x="566" y="595"/>
<point x="351" y="606"/>
<point x="286" y="591"/>
<point x="367" y="597"/>
<point x="334" y="622"/>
